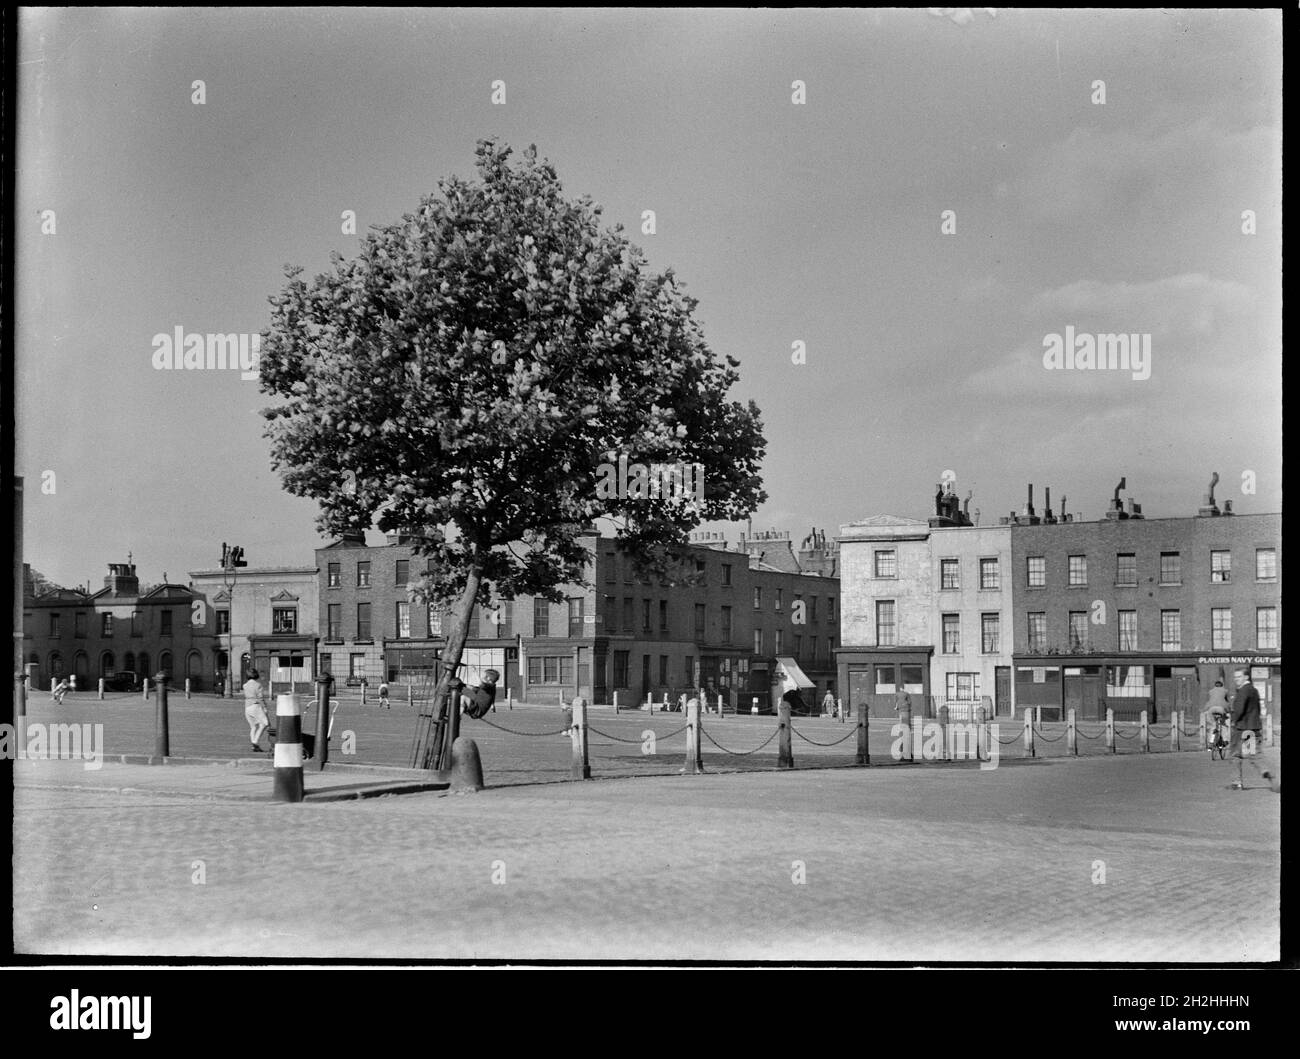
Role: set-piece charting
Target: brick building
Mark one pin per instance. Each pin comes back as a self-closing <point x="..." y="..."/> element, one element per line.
<point x="116" y="630"/>
<point x="619" y="632"/>
<point x="1136" y="613"/>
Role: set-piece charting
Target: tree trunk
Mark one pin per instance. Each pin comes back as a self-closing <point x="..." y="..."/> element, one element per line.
<point x="436" y="754"/>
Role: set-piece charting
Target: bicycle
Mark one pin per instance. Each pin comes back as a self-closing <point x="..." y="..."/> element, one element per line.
<point x="1217" y="738"/>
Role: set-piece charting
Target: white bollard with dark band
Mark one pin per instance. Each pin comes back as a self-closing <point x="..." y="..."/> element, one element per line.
<point x="288" y="750"/>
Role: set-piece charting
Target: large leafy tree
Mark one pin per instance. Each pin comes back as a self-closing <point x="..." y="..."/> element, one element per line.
<point x="472" y="374"/>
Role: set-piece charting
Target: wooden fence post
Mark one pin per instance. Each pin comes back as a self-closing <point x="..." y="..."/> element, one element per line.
<point x="694" y="764"/>
<point x="1029" y="731"/>
<point x="1144" y="736"/>
<point x="1176" y="723"/>
<point x="1110" y="729"/>
<point x="581" y="767"/>
<point x="1071" y="733"/>
<point x="785" y="755"/>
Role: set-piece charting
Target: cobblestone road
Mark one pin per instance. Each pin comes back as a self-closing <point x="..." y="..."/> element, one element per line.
<point x="1129" y="858"/>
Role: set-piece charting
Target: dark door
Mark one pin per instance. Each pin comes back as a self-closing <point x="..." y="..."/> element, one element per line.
<point x="1002" y="685"/>
<point x="859" y="691"/>
<point x="1074" y="695"/>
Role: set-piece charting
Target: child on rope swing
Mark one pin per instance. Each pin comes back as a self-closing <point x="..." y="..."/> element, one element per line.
<point x="477" y="701"/>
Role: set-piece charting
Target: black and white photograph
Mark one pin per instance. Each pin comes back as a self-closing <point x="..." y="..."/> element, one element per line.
<point x="683" y="487"/>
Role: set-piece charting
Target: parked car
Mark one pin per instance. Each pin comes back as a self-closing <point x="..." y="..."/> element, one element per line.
<point x="121" y="682"/>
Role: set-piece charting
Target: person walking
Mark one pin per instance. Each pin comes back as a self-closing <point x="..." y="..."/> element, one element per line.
<point x="255" y="709"/>
<point x="59" y="690"/>
<point x="828" y="704"/>
<point x="383" y="696"/>
<point x="1245" y="718"/>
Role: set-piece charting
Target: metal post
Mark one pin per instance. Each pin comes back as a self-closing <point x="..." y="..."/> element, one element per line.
<point x="944" y="733"/>
<point x="324" y="685"/>
<point x="905" y="719"/>
<point x="580" y="769"/>
<point x="288" y="750"/>
<point x="1110" y="729"/>
<point x="1029" y="733"/>
<point x="1071" y="733"/>
<point x="864" y="752"/>
<point x="144" y="689"/>
<point x="785" y="756"/>
<point x="982" y="753"/>
<point x="162" y="735"/>
<point x="1175" y="723"/>
<point x="187" y="687"/>
<point x="101" y="687"/>
<point x="1144" y="743"/>
<point x="1203" y="731"/>
<point x="693" y="713"/>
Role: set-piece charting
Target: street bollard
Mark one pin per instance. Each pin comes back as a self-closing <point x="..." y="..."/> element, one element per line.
<point x="649" y="703"/>
<point x="101" y="687"/>
<point x="904" y="712"/>
<point x="753" y="709"/>
<point x="1071" y="733"/>
<point x="864" y="752"/>
<point x="1175" y="723"/>
<point x="288" y="750"/>
<point x="694" y="762"/>
<point x="981" y="734"/>
<point x="410" y="694"/>
<point x="187" y="687"/>
<point x="162" y="746"/>
<point x="1203" y="731"/>
<point x="144" y="689"/>
<point x="616" y="701"/>
<point x="720" y="704"/>
<point x="20" y="714"/>
<point x="466" y="766"/>
<point x="1110" y="729"/>
<point x="580" y="769"/>
<point x="324" y="685"/>
<point x="363" y="693"/>
<point x="945" y="734"/>
<point x="1029" y="732"/>
<point x="665" y="709"/>
<point x="1144" y="736"/>
<point x="785" y="756"/>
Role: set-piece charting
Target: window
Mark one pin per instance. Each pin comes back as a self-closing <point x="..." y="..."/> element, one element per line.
<point x="403" y="621"/>
<point x="812" y="648"/>
<point x="990" y="633"/>
<point x="363" y="621"/>
<point x="1266" y="628"/>
<point x="1078" y="630"/>
<point x="1037" y="631"/>
<point x="758" y="641"/>
<point x="1126" y="568"/>
<point x="779" y="637"/>
<point x="403" y="572"/>
<point x="137" y="623"/>
<point x="1220" y="567"/>
<point x="886" y="563"/>
<point x="948" y="571"/>
<point x="663" y="615"/>
<point x="1265" y="564"/>
<point x="327" y="664"/>
<point x="627" y="573"/>
<point x="165" y="622"/>
<point x="701" y="572"/>
<point x="363" y="575"/>
<point x="106" y="623"/>
<point x="79" y="625"/>
<point x="284" y="619"/>
<point x="333" y="624"/>
<point x="1128" y="630"/>
<point x="55" y="625"/>
<point x="435" y="620"/>
<point x="776" y="599"/>
<point x="627" y="614"/>
<point x="611" y="568"/>
<point x="619" y="676"/>
<point x="989" y="576"/>
<point x="798" y="646"/>
<point x="812" y="608"/>
<point x="951" y="634"/>
<point x="690" y="670"/>
<point x="541" y="617"/>
<point x="611" y="618"/>
<point x="758" y="597"/>
<point x="726" y="574"/>
<point x="885" y="631"/>
<point x="223" y="623"/>
<point x="962" y="687"/>
<point x="576" y="616"/>
<point x="1078" y="567"/>
<point x="663" y="670"/>
<point x="552" y="669"/>
<point x="1036" y="571"/>
<point x="333" y="578"/>
<point x="699" y="621"/>
<point x="1171" y="630"/>
<point x="830" y="608"/>
<point x="1170" y="569"/>
<point x="1220" y="628"/>
<point x="726" y="625"/>
<point x="356" y="667"/>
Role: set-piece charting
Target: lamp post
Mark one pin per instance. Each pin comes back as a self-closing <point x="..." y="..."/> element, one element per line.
<point x="232" y="557"/>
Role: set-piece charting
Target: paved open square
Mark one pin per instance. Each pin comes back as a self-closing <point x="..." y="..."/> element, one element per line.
<point x="1126" y="858"/>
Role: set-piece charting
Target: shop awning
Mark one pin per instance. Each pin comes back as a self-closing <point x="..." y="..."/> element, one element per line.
<point x="791" y="676"/>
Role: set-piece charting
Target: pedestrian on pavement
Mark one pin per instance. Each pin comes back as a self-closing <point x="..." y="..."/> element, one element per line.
<point x="72" y="683"/>
<point x="383" y="696"/>
<point x="255" y="709"/>
<point x="58" y="691"/>
<point x="1245" y="718"/>
<point x="828" y="704"/>
<point x="902" y="703"/>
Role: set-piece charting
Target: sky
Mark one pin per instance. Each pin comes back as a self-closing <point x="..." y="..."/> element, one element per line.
<point x="822" y="222"/>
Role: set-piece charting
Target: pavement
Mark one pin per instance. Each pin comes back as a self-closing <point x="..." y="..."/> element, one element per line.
<point x="1126" y="857"/>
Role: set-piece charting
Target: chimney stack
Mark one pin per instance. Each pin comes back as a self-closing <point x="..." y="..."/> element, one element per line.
<point x="1048" y="518"/>
<point x="1028" y="515"/>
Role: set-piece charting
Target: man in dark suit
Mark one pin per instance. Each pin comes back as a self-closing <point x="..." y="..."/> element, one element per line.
<point x="1245" y="718"/>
